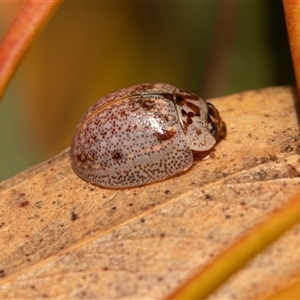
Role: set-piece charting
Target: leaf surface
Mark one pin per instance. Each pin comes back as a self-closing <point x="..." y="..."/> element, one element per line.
<point x="62" y="237"/>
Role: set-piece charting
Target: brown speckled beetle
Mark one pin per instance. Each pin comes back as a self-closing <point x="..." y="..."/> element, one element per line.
<point x="142" y="134"/>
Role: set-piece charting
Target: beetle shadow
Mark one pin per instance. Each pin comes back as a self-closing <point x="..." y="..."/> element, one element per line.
<point x="200" y="156"/>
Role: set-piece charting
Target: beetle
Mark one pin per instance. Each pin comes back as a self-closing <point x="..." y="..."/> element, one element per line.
<point x="143" y="134"/>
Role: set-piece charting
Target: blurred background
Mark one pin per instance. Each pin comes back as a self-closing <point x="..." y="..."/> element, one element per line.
<point x="88" y="49"/>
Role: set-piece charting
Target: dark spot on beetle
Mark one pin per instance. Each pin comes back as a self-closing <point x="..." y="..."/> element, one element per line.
<point x="194" y="108"/>
<point x="74" y="216"/>
<point x="198" y="131"/>
<point x="142" y="220"/>
<point x="193" y="96"/>
<point x="185" y="125"/>
<point x="228" y="216"/>
<point x="81" y="157"/>
<point x="167" y="96"/>
<point x="160" y="116"/>
<point x="32" y="287"/>
<point x="188" y="94"/>
<point x="24" y="203"/>
<point x="180" y="100"/>
<point x="117" y="155"/>
<point x="167" y="192"/>
<point x="105" y="268"/>
<point x="130" y="204"/>
<point x="94" y="137"/>
<point x="162" y="235"/>
<point x="164" y="135"/>
<point x="188" y="116"/>
<point x="147" y="105"/>
<point x="2" y="273"/>
<point x="160" y="279"/>
<point x="2" y="224"/>
<point x="123" y="113"/>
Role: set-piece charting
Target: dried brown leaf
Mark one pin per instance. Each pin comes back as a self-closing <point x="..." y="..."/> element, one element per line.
<point x="62" y="237"/>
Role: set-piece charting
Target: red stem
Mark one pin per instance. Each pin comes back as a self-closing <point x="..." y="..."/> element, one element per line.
<point x="27" y="25"/>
